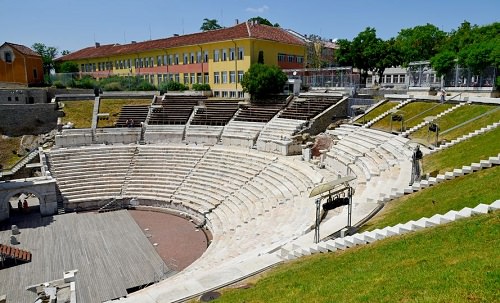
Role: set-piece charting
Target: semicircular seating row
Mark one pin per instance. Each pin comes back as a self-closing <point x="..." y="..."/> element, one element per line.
<point x="251" y="200"/>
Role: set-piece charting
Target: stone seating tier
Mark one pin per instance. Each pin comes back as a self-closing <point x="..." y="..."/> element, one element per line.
<point x="138" y="113"/>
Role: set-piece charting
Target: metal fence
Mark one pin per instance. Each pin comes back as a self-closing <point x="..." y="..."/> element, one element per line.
<point x="325" y="77"/>
<point x="465" y="77"/>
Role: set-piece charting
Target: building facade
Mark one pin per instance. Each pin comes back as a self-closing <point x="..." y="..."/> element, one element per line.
<point x="20" y="65"/>
<point x="218" y="57"/>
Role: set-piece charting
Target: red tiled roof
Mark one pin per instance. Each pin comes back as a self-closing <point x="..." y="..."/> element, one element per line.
<point x="23" y="49"/>
<point x="239" y="31"/>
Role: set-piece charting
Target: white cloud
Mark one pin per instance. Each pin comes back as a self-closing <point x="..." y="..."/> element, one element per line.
<point x="258" y="10"/>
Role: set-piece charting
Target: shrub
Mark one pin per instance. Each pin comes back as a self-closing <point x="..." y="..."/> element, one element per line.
<point x="173" y="86"/>
<point x="145" y="86"/>
<point x="85" y="82"/>
<point x="201" y="87"/>
<point x="112" y="86"/>
<point x="59" y="84"/>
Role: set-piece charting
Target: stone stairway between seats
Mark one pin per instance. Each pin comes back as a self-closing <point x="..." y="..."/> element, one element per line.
<point x="389" y="231"/>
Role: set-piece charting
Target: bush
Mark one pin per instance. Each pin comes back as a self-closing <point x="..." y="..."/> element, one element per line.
<point x="85" y="82"/>
<point x="201" y="87"/>
<point x="145" y="86"/>
<point x="112" y="86"/>
<point x="173" y="86"/>
<point x="59" y="84"/>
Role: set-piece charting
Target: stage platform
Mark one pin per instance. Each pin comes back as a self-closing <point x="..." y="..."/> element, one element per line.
<point x="109" y="250"/>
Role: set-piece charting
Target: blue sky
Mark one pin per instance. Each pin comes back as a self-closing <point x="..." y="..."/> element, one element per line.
<point x="74" y="24"/>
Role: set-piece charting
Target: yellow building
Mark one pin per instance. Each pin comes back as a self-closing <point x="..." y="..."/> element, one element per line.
<point x="20" y="65"/>
<point x="217" y="57"/>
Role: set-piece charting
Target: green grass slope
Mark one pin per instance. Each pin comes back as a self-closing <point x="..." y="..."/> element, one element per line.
<point x="457" y="262"/>
<point x="464" y="153"/>
<point x="377" y="111"/>
<point x="465" y="191"/>
<point x="413" y="114"/>
<point x="79" y="113"/>
<point x="458" y="117"/>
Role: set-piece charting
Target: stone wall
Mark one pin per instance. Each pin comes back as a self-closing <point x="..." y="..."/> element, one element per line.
<point x="322" y="121"/>
<point x="23" y="96"/>
<point x="28" y="119"/>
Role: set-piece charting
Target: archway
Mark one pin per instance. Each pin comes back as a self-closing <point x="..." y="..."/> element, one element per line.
<point x="42" y="189"/>
<point x="24" y="203"/>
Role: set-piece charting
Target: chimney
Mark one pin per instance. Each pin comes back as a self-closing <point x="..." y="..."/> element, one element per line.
<point x="133" y="42"/>
<point x="97" y="44"/>
<point x="237" y="21"/>
<point x="176" y="35"/>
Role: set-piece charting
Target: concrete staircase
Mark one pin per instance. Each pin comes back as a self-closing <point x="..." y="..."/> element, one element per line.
<point x="389" y="231"/>
<point x="384" y="114"/>
<point x="465" y="137"/>
<point x="457" y="172"/>
<point x="27" y="159"/>
<point x="424" y="123"/>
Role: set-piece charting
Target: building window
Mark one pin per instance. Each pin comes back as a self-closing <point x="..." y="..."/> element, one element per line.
<point x="152" y="61"/>
<point x="216" y="93"/>
<point x="207" y="79"/>
<point x="159" y="61"/>
<point x="177" y="78"/>
<point x="231" y="54"/>
<point x="193" y="78"/>
<point x="192" y="58"/>
<point x="291" y="58"/>
<point x="176" y="59"/>
<point x="8" y="57"/>
<point x="281" y="57"/>
<point x="142" y="63"/>
<point x="300" y="59"/>
<point x="198" y="57"/>
<point x="146" y="62"/>
<point x="9" y="99"/>
<point x="240" y="76"/>
<point x="402" y="79"/>
<point x="241" y="94"/>
<point x="82" y="67"/>
<point x="232" y="94"/>
<point x="199" y="78"/>
<point x="232" y="77"/>
<point x="216" y="78"/>
<point x="241" y="53"/>
<point x="224" y="94"/>
<point x="205" y="55"/>
<point x="186" y="78"/>
<point x="224" y="55"/>
<point x="224" y="77"/>
<point x="186" y="59"/>
<point x="216" y="55"/>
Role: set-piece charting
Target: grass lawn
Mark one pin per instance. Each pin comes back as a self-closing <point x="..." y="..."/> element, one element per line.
<point x="114" y="106"/>
<point x="413" y="113"/>
<point x="464" y="153"/>
<point x="79" y="113"/>
<point x="8" y="149"/>
<point x="465" y="191"/>
<point x="377" y="111"/>
<point x="458" y="116"/>
<point x="456" y="262"/>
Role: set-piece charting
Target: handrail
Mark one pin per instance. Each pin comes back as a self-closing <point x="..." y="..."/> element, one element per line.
<point x="459" y="94"/>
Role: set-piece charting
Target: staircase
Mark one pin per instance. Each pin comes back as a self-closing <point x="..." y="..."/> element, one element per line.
<point x="465" y="137"/>
<point x="20" y="164"/>
<point x="112" y="205"/>
<point x="131" y="168"/>
<point x="457" y="172"/>
<point x="424" y="123"/>
<point x="60" y="201"/>
<point x="371" y="236"/>
<point x="384" y="114"/>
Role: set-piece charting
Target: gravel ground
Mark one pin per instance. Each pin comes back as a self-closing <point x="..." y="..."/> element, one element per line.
<point x="178" y="240"/>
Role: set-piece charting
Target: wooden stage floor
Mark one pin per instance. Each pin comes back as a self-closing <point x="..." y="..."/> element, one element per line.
<point x="109" y="250"/>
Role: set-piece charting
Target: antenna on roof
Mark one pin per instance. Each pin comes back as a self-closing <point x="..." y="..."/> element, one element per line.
<point x="150" y="32"/>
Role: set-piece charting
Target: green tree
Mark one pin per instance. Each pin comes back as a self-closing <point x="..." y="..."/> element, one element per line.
<point x="420" y="42"/>
<point x="263" y="21"/>
<point x="443" y="62"/>
<point x="210" y="24"/>
<point x="261" y="80"/>
<point x="388" y="55"/>
<point x="48" y="54"/>
<point x="68" y="67"/>
<point x="65" y="52"/>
